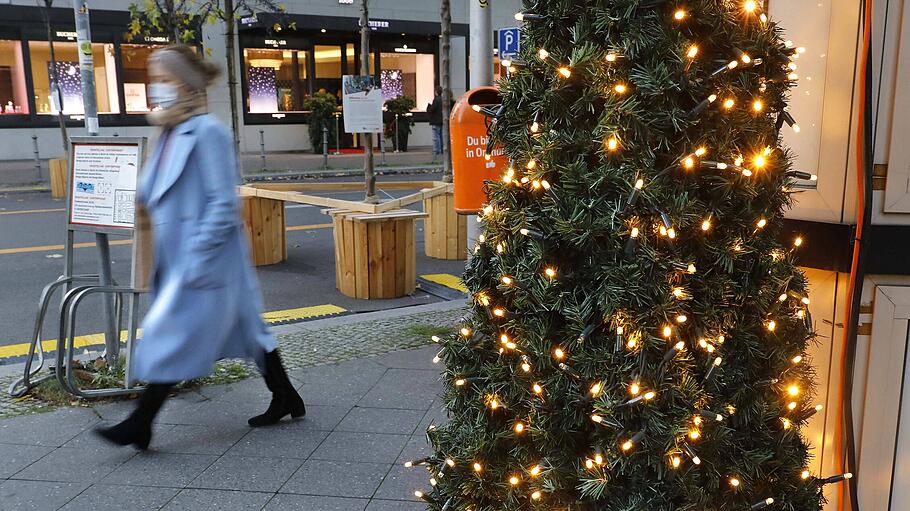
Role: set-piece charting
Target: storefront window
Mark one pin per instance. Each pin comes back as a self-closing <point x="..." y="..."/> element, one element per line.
<point x="135" y="76"/>
<point x="70" y="79"/>
<point x="407" y="73"/>
<point x="13" y="95"/>
<point x="328" y="69"/>
<point x="276" y="80"/>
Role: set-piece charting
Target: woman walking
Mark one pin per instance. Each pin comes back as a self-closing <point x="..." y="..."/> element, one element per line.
<point x="206" y="302"/>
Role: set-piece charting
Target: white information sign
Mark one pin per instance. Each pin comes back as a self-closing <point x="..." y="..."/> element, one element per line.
<point x="362" y="103"/>
<point x="103" y="184"/>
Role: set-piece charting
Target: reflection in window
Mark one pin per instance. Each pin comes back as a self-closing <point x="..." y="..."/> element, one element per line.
<point x="135" y="76"/>
<point x="70" y="80"/>
<point x="407" y="73"/>
<point x="13" y="95"/>
<point x="328" y="69"/>
<point x="276" y="80"/>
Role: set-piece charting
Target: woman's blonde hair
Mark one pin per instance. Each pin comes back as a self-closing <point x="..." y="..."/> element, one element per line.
<point x="187" y="64"/>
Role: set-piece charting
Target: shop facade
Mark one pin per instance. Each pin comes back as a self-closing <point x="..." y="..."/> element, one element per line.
<point x="277" y="70"/>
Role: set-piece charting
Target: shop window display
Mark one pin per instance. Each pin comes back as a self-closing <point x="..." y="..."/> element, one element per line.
<point x="13" y="93"/>
<point x="70" y="80"/>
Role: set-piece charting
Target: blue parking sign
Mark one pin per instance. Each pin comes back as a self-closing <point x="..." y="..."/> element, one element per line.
<point x="509" y="42"/>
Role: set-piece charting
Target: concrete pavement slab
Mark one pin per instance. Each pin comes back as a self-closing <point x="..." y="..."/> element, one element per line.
<point x="75" y="465"/>
<point x="37" y="495"/>
<point x="161" y="469"/>
<point x="369" y="447"/>
<point x="380" y="420"/>
<point x="337" y="479"/>
<point x="185" y="438"/>
<point x="108" y="497"/>
<point x="17" y="457"/>
<point x="395" y="505"/>
<point x="247" y="473"/>
<point x="284" y="501"/>
<point x="401" y="482"/>
<point x="217" y="500"/>
<point x="49" y="429"/>
<point x="410" y="389"/>
<point x="285" y="440"/>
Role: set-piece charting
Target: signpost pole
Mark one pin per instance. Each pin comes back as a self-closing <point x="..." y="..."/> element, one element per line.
<point x="368" y="175"/>
<point x="481" y="71"/>
<point x="87" y="69"/>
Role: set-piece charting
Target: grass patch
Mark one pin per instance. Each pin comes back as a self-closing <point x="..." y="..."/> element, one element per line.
<point x="425" y="331"/>
<point x="227" y="371"/>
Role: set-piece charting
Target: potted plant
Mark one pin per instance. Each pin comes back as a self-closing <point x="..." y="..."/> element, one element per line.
<point x="321" y="107"/>
<point x="402" y="105"/>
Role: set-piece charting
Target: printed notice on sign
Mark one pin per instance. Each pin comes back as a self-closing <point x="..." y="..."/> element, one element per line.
<point x="362" y="102"/>
<point x="103" y="184"/>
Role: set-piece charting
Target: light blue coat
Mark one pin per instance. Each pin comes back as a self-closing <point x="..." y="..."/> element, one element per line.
<point x="206" y="301"/>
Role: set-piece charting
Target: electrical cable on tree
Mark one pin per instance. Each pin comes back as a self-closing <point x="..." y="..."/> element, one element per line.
<point x="638" y="337"/>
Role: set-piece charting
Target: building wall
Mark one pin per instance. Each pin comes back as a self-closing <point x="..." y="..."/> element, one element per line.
<point x="16" y="144"/>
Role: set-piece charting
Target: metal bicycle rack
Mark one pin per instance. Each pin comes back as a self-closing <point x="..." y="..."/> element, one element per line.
<point x="114" y="162"/>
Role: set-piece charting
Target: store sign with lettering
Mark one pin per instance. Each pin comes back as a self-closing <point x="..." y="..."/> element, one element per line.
<point x="374" y="24"/>
<point x="276" y="42"/>
<point x="69" y="36"/>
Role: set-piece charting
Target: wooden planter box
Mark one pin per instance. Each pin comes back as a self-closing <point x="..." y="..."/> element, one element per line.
<point x="375" y="254"/>
<point x="265" y="226"/>
<point x="58" y="176"/>
<point x="445" y="232"/>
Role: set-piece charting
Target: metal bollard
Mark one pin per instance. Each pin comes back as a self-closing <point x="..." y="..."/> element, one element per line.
<point x="396" y="133"/>
<point x="382" y="147"/>
<point x="37" y="157"/>
<point x="325" y="147"/>
<point x="337" y="133"/>
<point x="262" y="149"/>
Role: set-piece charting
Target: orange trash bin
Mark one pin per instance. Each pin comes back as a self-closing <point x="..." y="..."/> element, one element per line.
<point x="469" y="144"/>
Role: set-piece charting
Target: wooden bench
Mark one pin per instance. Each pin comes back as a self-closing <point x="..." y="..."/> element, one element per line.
<point x="375" y="253"/>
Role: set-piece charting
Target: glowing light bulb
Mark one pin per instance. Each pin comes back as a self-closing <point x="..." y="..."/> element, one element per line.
<point x="806" y="474"/>
<point x="597" y="418"/>
<point x="650" y="395"/>
<point x="559" y="354"/>
<point x="759" y="161"/>
<point x="519" y="428"/>
<point x="620" y="88"/>
<point x="679" y="292"/>
<point x="550" y="273"/>
<point x="460" y="382"/>
<point x="798" y="241"/>
<point x="805" y="300"/>
<point x="758" y="105"/>
<point x="792" y="405"/>
<point x="694" y="434"/>
<point x="450" y="462"/>
<point x="535" y="127"/>
<point x="696" y="460"/>
<point x="612" y="144"/>
<point x="634" y="232"/>
<point x="797" y="359"/>
<point x="537" y="388"/>
<point x="734" y="482"/>
<point x="526" y="367"/>
<point x="668" y="331"/>
<point x="627" y="445"/>
<point x="514" y="480"/>
<point x="682" y="318"/>
<point x="691" y="268"/>
<point x="611" y="57"/>
<point x="499" y="312"/>
<point x="693" y="51"/>
<point x="761" y="223"/>
<point x="535" y="470"/>
<point x="536" y="495"/>
<point x="675" y="461"/>
<point x="589" y="464"/>
<point x="477" y="467"/>
<point x="639" y="184"/>
<point x="689" y="162"/>
<point x="729" y="103"/>
<point x="701" y="151"/>
<point x="543" y="54"/>
<point x="634" y="389"/>
<point x="671" y="233"/>
<point x="750" y="6"/>
<point x="706" y="225"/>
<point x="771" y="325"/>
<point x="565" y="72"/>
<point x="679" y="15"/>
<point x="596" y="389"/>
<point x="746" y="58"/>
<point x="786" y="423"/>
<point x="793" y="390"/>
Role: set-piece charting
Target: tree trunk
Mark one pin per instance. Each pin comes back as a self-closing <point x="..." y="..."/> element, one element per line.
<point x="172" y="24"/>
<point x="230" y="43"/>
<point x="368" y="176"/>
<point x="446" y="83"/>
<point x="62" y="121"/>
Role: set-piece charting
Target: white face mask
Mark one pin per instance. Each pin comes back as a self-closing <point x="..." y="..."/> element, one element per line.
<point x="163" y="95"/>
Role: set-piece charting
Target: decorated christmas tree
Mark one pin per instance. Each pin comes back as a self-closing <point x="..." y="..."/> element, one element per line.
<point x="638" y="332"/>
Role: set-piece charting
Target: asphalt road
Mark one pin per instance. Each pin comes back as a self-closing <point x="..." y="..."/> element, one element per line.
<point x="32" y="224"/>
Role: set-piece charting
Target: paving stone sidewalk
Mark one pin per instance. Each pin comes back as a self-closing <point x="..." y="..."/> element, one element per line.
<point x="370" y="397"/>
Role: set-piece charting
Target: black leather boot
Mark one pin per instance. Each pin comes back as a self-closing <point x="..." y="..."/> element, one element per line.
<point x="137" y="428"/>
<point x="285" y="399"/>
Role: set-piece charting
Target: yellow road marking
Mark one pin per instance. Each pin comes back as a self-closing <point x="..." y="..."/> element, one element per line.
<point x="81" y="341"/>
<point x="29" y="211"/>
<point x="450" y="281"/>
<point x="57" y="248"/>
<point x="308" y="227"/>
